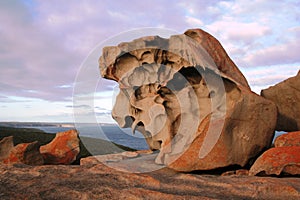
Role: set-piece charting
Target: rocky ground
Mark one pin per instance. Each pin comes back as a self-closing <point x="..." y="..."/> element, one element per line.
<point x="93" y="179"/>
<point x="100" y="182"/>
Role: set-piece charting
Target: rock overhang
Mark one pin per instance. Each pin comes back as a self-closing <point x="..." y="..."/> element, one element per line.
<point x="171" y="87"/>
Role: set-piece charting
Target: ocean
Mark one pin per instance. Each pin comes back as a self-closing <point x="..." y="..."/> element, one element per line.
<point x="108" y="132"/>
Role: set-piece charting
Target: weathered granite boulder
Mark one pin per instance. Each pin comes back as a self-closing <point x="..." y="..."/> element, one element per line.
<point x="286" y="96"/>
<point x="101" y="182"/>
<point x="288" y="139"/>
<point x="281" y="160"/>
<point x="189" y="100"/>
<point x="26" y="153"/>
<point x="6" y="145"/>
<point x="63" y="149"/>
<point x="278" y="160"/>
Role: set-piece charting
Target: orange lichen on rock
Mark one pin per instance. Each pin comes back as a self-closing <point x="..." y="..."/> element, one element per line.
<point x="288" y="139"/>
<point x="278" y="160"/>
<point x="63" y="149"/>
<point x="26" y="153"/>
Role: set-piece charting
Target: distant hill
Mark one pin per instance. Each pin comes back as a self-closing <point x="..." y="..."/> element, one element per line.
<point x="34" y="124"/>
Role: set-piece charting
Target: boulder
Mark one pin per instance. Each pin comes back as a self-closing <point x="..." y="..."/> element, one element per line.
<point x="288" y="139"/>
<point x="286" y="96"/>
<point x="26" y="153"/>
<point x="6" y="145"/>
<point x="189" y="100"/>
<point x="63" y="149"/>
<point x="278" y="161"/>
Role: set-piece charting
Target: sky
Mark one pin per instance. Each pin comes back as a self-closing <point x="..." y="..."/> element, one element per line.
<point x="44" y="43"/>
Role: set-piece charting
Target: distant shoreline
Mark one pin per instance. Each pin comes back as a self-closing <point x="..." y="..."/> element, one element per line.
<point x="103" y="131"/>
<point x="54" y="124"/>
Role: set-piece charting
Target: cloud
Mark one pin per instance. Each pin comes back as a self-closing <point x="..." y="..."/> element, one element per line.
<point x="29" y="109"/>
<point x="262" y="77"/>
<point x="4" y="99"/>
<point x="44" y="45"/>
<point x="42" y="50"/>
<point x="15" y="99"/>
<point x="89" y="108"/>
<point x="194" y="22"/>
<point x="238" y="32"/>
<point x="101" y="110"/>
<point x="32" y="59"/>
<point x="79" y="106"/>
<point x="286" y="52"/>
<point x="257" y="33"/>
<point x="278" y="54"/>
<point x="264" y="8"/>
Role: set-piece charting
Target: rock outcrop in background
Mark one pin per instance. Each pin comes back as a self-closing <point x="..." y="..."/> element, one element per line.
<point x="63" y="149"/>
<point x="286" y="96"/>
<point x="189" y="100"/>
<point x="26" y="153"/>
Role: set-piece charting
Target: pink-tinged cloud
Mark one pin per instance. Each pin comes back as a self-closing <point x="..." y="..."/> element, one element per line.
<point x="274" y="55"/>
<point x="285" y="51"/>
<point x="238" y="32"/>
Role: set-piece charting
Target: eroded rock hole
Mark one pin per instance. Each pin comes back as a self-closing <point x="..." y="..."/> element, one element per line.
<point x="164" y="91"/>
<point x="137" y="93"/>
<point x="128" y="121"/>
<point x="184" y="77"/>
<point x="140" y="124"/>
<point x="191" y="74"/>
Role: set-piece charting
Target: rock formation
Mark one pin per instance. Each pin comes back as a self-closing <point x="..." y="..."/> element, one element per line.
<point x="278" y="160"/>
<point x="189" y="100"/>
<point x="6" y="145"/>
<point x="63" y="149"/>
<point x="288" y="139"/>
<point x="283" y="159"/>
<point x="26" y="153"/>
<point x="286" y="96"/>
